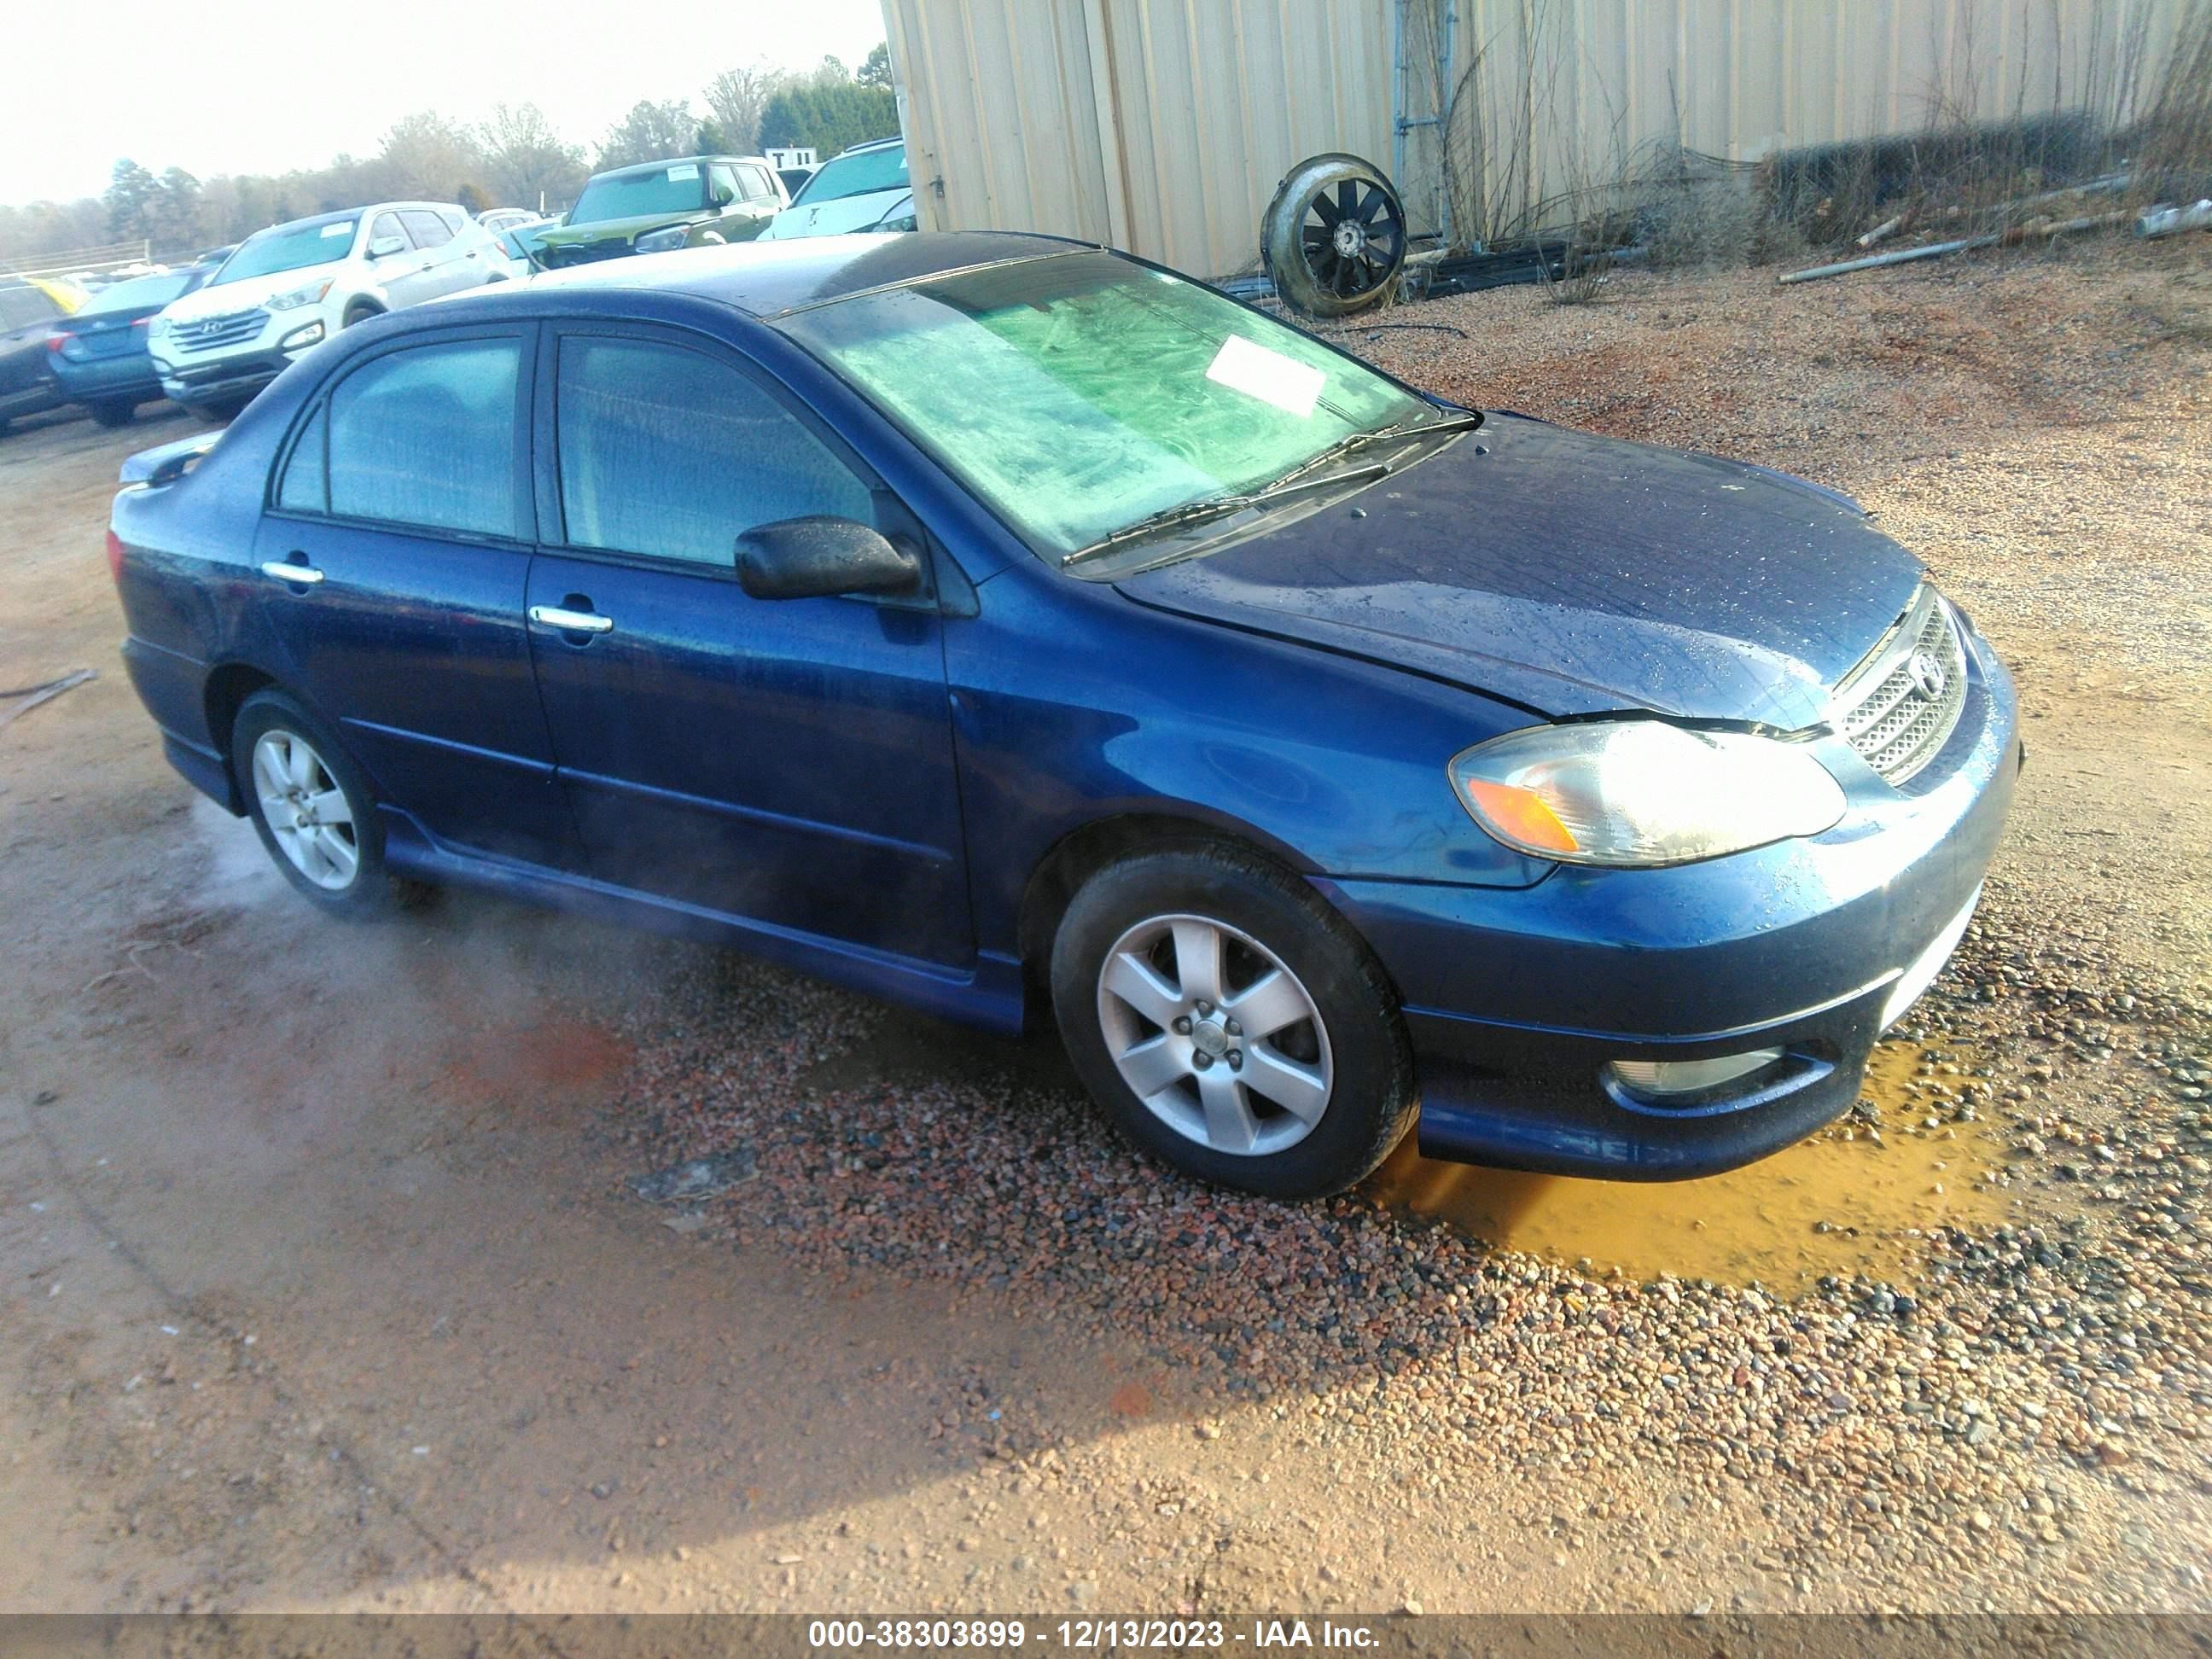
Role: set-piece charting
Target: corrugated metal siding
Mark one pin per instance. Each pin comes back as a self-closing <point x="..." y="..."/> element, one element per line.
<point x="1163" y="125"/>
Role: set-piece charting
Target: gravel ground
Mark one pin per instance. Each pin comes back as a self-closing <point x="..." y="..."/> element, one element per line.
<point x="1956" y="1423"/>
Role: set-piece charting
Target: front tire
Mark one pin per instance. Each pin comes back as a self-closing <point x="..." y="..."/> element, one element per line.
<point x="360" y="313"/>
<point x="311" y="804"/>
<point x="1231" y="1025"/>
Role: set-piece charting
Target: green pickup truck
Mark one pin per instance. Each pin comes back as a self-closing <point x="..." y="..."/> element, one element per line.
<point x="693" y="201"/>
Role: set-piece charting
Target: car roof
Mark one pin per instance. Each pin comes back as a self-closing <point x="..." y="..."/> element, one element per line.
<point x="767" y="279"/>
<point x="870" y="144"/>
<point x="360" y="212"/>
<point x="672" y="162"/>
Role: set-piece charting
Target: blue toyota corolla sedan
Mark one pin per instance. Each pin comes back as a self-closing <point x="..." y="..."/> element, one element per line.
<point x="1016" y="629"/>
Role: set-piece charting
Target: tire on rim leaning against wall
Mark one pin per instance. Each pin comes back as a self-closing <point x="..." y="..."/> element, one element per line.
<point x="1333" y="240"/>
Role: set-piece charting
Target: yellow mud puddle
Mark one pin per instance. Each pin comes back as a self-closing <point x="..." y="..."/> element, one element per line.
<point x="1854" y="1199"/>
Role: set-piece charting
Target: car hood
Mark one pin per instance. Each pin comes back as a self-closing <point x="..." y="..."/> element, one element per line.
<point x="616" y="230"/>
<point x="846" y="214"/>
<point x="1574" y="575"/>
<point x="212" y="299"/>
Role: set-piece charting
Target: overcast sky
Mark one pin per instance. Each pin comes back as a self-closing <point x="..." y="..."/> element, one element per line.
<point x="226" y="86"/>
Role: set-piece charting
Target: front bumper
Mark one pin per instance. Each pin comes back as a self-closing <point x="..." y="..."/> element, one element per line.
<point x="215" y="380"/>
<point x="1517" y="999"/>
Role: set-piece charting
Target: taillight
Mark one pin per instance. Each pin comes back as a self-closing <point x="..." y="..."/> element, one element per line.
<point x="56" y="342"/>
<point x="115" y="557"/>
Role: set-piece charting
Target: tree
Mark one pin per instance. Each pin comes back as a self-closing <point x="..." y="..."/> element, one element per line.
<point x="425" y="155"/>
<point x="875" y="69"/>
<point x="525" y="160"/>
<point x="735" y="99"/>
<point x="175" y="213"/>
<point x="130" y="193"/>
<point x="650" y="132"/>
<point x="829" y="116"/>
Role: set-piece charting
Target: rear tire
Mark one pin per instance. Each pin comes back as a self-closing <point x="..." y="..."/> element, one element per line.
<point x="1155" y="960"/>
<point x="311" y="805"/>
<point x="113" y="414"/>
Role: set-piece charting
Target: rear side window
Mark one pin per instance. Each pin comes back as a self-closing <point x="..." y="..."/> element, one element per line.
<point x="427" y="230"/>
<point x="667" y="453"/>
<point x="426" y="437"/>
<point x="18" y="306"/>
<point x="758" y="184"/>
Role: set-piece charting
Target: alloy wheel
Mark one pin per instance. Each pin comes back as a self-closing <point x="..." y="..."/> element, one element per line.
<point x="307" y="812"/>
<point x="1215" y="1035"/>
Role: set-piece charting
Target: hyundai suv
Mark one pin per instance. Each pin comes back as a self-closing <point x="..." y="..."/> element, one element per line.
<point x="292" y="286"/>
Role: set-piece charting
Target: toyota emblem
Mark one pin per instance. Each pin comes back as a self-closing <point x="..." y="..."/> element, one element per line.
<point x="1928" y="676"/>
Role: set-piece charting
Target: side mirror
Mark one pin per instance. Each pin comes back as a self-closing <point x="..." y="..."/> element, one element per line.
<point x="385" y="246"/>
<point x="814" y="558"/>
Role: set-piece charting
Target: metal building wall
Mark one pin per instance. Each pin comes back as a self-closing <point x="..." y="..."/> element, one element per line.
<point x="1163" y="125"/>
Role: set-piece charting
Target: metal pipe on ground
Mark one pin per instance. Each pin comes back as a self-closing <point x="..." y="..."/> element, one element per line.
<point x="1964" y="244"/>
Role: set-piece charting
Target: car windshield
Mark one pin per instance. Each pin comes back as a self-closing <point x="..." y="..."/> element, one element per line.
<point x="143" y="291"/>
<point x="675" y="188"/>
<point x="856" y="172"/>
<point x="1080" y="393"/>
<point x="288" y="247"/>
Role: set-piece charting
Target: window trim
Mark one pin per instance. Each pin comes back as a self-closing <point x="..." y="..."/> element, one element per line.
<point x="552" y="517"/>
<point x="524" y="337"/>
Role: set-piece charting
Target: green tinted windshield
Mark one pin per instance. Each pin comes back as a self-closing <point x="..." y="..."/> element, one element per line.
<point x="1078" y="393"/>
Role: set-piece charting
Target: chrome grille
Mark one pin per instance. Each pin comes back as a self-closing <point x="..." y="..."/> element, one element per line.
<point x="207" y="333"/>
<point x="1900" y="705"/>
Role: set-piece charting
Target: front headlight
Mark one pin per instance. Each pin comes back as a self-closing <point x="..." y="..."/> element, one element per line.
<point x="904" y="222"/>
<point x="1641" y="793"/>
<point x="299" y="296"/>
<point x="663" y="241"/>
<point x="159" y="328"/>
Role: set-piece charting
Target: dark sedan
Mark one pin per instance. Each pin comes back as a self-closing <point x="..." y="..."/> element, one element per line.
<point x="98" y="355"/>
<point x="1029" y="635"/>
<point x="28" y="312"/>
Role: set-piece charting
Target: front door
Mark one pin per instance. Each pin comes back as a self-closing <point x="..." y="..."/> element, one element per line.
<point x="785" y="761"/>
<point x="404" y="509"/>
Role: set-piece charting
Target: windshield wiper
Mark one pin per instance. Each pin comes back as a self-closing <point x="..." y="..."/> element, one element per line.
<point x="1218" y="506"/>
<point x="1405" y="429"/>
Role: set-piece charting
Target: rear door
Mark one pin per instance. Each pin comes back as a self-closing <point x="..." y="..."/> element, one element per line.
<point x="394" y="561"/>
<point x="788" y="762"/>
<point x="448" y="267"/>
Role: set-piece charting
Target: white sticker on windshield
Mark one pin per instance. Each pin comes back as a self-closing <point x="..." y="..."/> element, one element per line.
<point x="685" y="173"/>
<point x="339" y="230"/>
<point x="1281" y="382"/>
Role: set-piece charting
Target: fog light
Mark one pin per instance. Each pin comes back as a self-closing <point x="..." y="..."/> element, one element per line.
<point x="301" y="339"/>
<point x="1662" y="1078"/>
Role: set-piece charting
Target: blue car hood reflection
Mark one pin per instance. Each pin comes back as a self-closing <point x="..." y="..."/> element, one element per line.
<point x="1573" y="574"/>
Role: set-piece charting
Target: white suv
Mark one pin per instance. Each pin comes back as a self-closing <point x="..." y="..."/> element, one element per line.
<point x="290" y="287"/>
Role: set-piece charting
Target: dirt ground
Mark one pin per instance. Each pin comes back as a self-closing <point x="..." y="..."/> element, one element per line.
<point x="324" y="1283"/>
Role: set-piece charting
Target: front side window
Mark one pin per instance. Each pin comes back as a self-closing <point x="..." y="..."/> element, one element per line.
<point x="427" y="230"/>
<point x="722" y="179"/>
<point x="1078" y="393"/>
<point x="289" y="247"/>
<point x="426" y="437"/>
<point x="673" y="187"/>
<point x="670" y="453"/>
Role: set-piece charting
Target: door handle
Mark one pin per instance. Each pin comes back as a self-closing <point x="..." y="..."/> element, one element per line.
<point x="571" y="622"/>
<point x="302" y="572"/>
